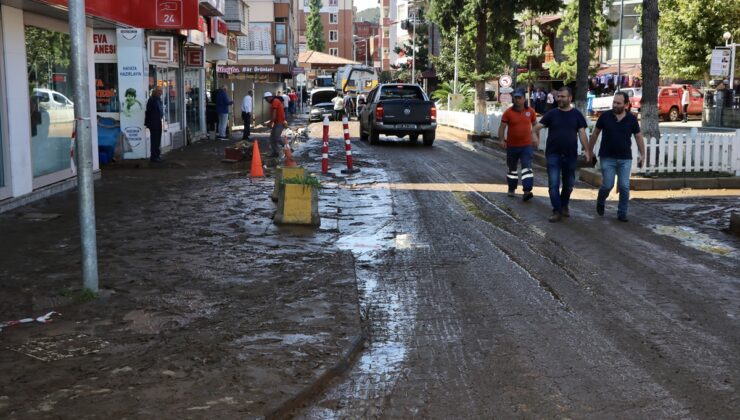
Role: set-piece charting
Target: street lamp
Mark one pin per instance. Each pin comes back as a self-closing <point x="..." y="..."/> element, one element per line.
<point x="728" y="43"/>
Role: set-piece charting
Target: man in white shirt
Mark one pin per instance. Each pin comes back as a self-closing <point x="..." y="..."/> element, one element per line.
<point x="286" y="101"/>
<point x="685" y="103"/>
<point x="247" y="114"/>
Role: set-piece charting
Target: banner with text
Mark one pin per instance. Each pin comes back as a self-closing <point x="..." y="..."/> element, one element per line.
<point x="132" y="90"/>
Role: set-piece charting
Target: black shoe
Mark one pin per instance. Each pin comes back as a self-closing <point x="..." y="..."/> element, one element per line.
<point x="623" y="218"/>
<point x="599" y="209"/>
<point x="511" y="193"/>
<point x="566" y="212"/>
<point x="556" y="217"/>
<point x="527" y="196"/>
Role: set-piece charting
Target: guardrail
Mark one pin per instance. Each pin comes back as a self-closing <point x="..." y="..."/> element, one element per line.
<point x="691" y="152"/>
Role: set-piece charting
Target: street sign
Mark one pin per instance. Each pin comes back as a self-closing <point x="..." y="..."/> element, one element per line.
<point x="720" y="65"/>
<point x="300" y="78"/>
<point x="504" y="98"/>
<point x="505" y="80"/>
<point x="506" y="90"/>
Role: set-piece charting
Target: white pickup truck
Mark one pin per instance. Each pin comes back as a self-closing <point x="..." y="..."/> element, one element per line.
<point x="604" y="103"/>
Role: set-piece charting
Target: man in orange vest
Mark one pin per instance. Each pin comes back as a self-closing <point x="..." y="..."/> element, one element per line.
<point x="518" y="121"/>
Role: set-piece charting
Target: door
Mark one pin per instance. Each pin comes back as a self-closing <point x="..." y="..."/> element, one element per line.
<point x="696" y="102"/>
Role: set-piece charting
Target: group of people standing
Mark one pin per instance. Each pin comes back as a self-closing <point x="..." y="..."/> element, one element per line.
<point x="520" y="132"/>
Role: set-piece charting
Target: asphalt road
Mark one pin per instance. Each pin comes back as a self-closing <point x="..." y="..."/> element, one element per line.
<point x="480" y="308"/>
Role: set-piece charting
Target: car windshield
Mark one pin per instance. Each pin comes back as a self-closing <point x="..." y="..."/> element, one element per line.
<point x="401" y="92"/>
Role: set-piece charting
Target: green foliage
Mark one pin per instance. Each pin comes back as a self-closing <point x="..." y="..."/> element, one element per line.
<point x="568" y="30"/>
<point x="445" y="89"/>
<point x="444" y="63"/>
<point x="689" y="30"/>
<point x="529" y="47"/>
<point x="307" y="180"/>
<point x="314" y="28"/>
<point x="47" y="52"/>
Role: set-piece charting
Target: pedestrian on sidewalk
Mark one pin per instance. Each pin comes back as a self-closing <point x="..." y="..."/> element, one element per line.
<point x="565" y="126"/>
<point x="338" y="102"/>
<point x="293" y="101"/>
<point x="685" y="103"/>
<point x="276" y="123"/>
<point x="550" y="101"/>
<point x="153" y="121"/>
<point x="222" y="109"/>
<point x="518" y="122"/>
<point x="617" y="126"/>
<point x="247" y="103"/>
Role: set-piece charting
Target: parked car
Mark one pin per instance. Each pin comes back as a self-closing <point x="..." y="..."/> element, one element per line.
<point x="400" y="110"/>
<point x="321" y="104"/>
<point x="604" y="103"/>
<point x="59" y="110"/>
<point x="669" y="102"/>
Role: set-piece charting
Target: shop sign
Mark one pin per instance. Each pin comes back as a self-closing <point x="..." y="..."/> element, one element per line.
<point x="161" y="48"/>
<point x="197" y="36"/>
<point x="233" y="47"/>
<point x="720" y="64"/>
<point x="132" y="89"/>
<point x="146" y="14"/>
<point x="297" y="70"/>
<point x="195" y="58"/>
<point x="219" y="31"/>
<point x="245" y="69"/>
<point x="104" y="45"/>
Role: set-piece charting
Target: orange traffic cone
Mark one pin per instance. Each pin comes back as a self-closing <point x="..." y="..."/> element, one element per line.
<point x="256" y="170"/>
<point x="289" y="161"/>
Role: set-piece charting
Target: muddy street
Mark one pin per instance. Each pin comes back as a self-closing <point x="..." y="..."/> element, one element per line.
<point x="486" y="310"/>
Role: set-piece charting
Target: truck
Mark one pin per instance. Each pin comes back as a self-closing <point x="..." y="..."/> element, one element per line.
<point x="604" y="103"/>
<point x="398" y="109"/>
<point x="354" y="79"/>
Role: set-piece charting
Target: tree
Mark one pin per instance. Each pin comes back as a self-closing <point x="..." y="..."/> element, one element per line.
<point x="583" y="53"/>
<point x="650" y="79"/>
<point x="421" y="57"/>
<point x="314" y="28"/>
<point x="528" y="48"/>
<point x="568" y="31"/>
<point x="689" y="30"/>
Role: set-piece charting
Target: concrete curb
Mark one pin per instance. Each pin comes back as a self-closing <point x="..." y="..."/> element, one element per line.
<point x="286" y="408"/>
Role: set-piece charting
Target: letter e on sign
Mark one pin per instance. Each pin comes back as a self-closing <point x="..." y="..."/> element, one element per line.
<point x="194" y="58"/>
<point x="169" y="13"/>
<point x="160" y="48"/>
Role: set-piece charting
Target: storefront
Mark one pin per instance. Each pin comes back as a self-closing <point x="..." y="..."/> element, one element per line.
<point x="194" y="80"/>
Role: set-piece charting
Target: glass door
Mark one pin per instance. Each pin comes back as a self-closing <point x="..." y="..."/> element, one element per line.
<point x="193" y="91"/>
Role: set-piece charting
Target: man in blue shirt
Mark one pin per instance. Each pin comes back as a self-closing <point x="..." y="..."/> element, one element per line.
<point x="565" y="126"/>
<point x="153" y="121"/>
<point x="617" y="127"/>
<point x="222" y="109"/>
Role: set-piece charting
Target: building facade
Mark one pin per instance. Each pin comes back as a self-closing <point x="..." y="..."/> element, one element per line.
<point x="337" y="17"/>
<point x="367" y="43"/>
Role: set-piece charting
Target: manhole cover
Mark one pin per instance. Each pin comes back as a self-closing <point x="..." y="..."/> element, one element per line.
<point x="49" y="349"/>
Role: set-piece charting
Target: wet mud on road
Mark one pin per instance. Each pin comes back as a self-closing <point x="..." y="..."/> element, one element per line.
<point x="516" y="317"/>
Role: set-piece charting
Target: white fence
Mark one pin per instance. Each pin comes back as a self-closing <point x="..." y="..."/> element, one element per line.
<point x="690" y="152"/>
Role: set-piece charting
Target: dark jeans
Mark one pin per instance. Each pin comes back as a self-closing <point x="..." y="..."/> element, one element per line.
<point x="247" y="118"/>
<point x="685" y="112"/>
<point x="558" y="165"/>
<point x="513" y="156"/>
<point x="156" y="142"/>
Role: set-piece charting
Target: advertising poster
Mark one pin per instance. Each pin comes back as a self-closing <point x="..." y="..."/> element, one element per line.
<point x="132" y="90"/>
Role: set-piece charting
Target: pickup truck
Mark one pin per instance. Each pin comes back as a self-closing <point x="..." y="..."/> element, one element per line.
<point x="604" y="103"/>
<point x="399" y="110"/>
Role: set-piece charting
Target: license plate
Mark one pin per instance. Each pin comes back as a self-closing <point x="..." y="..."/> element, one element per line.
<point x="405" y="125"/>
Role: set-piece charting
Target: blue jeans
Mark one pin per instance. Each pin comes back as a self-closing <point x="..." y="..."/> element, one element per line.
<point x="556" y="165"/>
<point x="513" y="156"/>
<point x="223" y="120"/>
<point x="621" y="168"/>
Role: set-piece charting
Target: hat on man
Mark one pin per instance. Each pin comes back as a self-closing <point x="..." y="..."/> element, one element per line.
<point x="268" y="94"/>
<point x="518" y="92"/>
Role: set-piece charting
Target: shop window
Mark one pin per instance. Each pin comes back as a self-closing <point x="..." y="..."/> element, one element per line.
<point x="333" y="36"/>
<point x="106" y="87"/>
<point x="281" y="50"/>
<point x="333" y="18"/>
<point x="334" y="51"/>
<point x="193" y="99"/>
<point x="50" y="92"/>
<point x="280" y="32"/>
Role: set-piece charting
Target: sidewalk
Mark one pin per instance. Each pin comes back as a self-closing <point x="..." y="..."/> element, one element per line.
<point x="206" y="308"/>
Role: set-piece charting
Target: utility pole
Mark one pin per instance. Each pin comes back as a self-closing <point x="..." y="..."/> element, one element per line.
<point x="413" y="48"/>
<point x="83" y="146"/>
<point x="457" y="45"/>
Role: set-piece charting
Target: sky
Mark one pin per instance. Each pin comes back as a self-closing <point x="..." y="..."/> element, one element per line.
<point x="365" y="4"/>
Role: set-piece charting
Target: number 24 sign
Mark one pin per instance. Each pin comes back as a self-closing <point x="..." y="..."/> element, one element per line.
<point x="169" y="12"/>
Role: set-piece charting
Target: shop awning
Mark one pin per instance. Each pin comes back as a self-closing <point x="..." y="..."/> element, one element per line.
<point x="145" y="14"/>
<point x="629" y="69"/>
<point x="318" y="60"/>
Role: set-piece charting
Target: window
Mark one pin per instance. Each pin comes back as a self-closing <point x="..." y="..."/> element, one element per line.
<point x="333" y="2"/>
<point x="333" y="18"/>
<point x="52" y="114"/>
<point x="280" y="33"/>
<point x="333" y="36"/>
<point x="401" y="92"/>
<point x="106" y="87"/>
<point x="334" y="51"/>
<point x="281" y="50"/>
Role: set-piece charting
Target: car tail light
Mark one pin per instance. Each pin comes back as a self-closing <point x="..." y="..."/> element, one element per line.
<point x="379" y="113"/>
<point x="433" y="113"/>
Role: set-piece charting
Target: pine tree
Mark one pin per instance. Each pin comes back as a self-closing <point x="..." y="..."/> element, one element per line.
<point x="314" y="28"/>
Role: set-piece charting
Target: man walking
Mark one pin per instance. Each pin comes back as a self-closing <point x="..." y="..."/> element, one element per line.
<point x="222" y="109"/>
<point x="518" y="122"/>
<point x="247" y="115"/>
<point x="338" y="102"/>
<point x="617" y="127"/>
<point x="293" y="101"/>
<point x="685" y="103"/>
<point x="153" y="121"/>
<point x="276" y="123"/>
<point x="566" y="125"/>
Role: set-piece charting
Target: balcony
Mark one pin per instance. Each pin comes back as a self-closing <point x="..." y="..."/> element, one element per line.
<point x="237" y="16"/>
<point x="212" y="7"/>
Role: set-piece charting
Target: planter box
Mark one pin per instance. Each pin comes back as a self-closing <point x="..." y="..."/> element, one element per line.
<point x="298" y="204"/>
<point x="292" y="172"/>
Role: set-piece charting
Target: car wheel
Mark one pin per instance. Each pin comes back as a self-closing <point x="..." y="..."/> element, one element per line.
<point x="673" y="114"/>
<point x="429" y="138"/>
<point x="374" y="136"/>
<point x="414" y="138"/>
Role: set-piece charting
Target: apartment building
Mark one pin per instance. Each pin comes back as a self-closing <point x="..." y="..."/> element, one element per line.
<point x="337" y="17"/>
<point x="367" y="43"/>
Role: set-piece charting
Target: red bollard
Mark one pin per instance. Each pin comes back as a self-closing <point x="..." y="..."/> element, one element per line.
<point x="325" y="148"/>
<point x="348" y="148"/>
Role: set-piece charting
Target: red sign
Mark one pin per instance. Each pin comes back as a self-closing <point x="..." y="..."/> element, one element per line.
<point x="145" y="14"/>
<point x="194" y="58"/>
<point x="160" y="48"/>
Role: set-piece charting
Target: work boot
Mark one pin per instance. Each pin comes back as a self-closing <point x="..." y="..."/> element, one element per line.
<point x="511" y="193"/>
<point x="599" y="208"/>
<point x="566" y="212"/>
<point x="556" y="217"/>
<point x="527" y="196"/>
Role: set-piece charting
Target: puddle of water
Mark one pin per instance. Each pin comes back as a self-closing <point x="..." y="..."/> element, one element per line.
<point x="694" y="239"/>
<point x="289" y="339"/>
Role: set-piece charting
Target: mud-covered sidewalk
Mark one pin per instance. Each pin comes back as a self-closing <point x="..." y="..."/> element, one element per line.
<point x="206" y="308"/>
